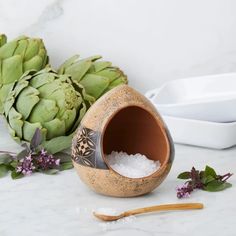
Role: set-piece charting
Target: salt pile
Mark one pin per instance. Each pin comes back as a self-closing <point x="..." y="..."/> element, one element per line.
<point x="132" y="166"/>
<point x="108" y="211"/>
<point x="113" y="225"/>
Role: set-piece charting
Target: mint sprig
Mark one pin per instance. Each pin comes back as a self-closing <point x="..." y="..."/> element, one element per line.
<point x="33" y="158"/>
<point x="207" y="180"/>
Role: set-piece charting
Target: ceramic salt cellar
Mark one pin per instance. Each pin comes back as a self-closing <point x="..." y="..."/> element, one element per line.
<point x="121" y="120"/>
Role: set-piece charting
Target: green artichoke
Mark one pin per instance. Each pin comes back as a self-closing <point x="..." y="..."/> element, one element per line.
<point x="17" y="57"/>
<point x="34" y="97"/>
<point x="97" y="77"/>
<point x="47" y="101"/>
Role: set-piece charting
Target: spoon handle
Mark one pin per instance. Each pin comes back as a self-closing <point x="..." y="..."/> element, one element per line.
<point x="166" y="207"/>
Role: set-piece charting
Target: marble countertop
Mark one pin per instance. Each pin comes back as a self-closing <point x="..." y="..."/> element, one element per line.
<point x="62" y="205"/>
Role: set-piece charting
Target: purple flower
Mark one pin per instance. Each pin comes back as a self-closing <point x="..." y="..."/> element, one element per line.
<point x="46" y="161"/>
<point x="43" y="152"/>
<point x="25" y="165"/>
<point x="184" y="191"/>
<point x="34" y="161"/>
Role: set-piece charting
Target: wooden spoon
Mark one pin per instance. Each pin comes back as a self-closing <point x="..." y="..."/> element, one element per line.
<point x="166" y="207"/>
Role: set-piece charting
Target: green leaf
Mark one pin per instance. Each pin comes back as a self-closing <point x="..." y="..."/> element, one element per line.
<point x="210" y="171"/>
<point x="207" y="179"/>
<point x="227" y="185"/>
<point x="16" y="175"/>
<point x="13" y="164"/>
<point x="66" y="166"/>
<point x="215" y="186"/>
<point x="64" y="157"/>
<point x="58" y="144"/>
<point x="37" y="139"/>
<point x="184" y="175"/>
<point x="10" y="167"/>
<point x="5" y="158"/>
<point x="94" y="85"/>
<point x="3" y="170"/>
<point x="50" y="171"/>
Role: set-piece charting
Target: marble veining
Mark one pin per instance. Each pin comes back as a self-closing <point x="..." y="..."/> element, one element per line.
<point x="161" y="41"/>
<point x="50" y="12"/>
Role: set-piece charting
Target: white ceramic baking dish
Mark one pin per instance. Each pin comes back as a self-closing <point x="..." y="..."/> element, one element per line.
<point x="202" y="133"/>
<point x="211" y="98"/>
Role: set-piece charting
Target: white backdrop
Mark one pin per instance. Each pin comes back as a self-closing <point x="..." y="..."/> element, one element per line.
<point x="151" y="40"/>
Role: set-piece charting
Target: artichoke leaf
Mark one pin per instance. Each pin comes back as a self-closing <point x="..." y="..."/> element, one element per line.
<point x="80" y="88"/>
<point x="31" y="54"/>
<point x="42" y="79"/>
<point x="8" y="103"/>
<point x="110" y="73"/>
<point x="99" y="66"/>
<point x="69" y="117"/>
<point x="35" y="63"/>
<point x="42" y="53"/>
<point x="45" y="110"/>
<point x="1" y="77"/>
<point x="29" y="130"/>
<point x="95" y="85"/>
<point x="12" y="132"/>
<point x="11" y="69"/>
<point x="15" y="121"/>
<point x="26" y="101"/>
<point x="118" y="81"/>
<point x="82" y="112"/>
<point x="3" y="39"/>
<point x="67" y="63"/>
<point x="47" y="89"/>
<point x="55" y="128"/>
<point x="20" y="85"/>
<point x="5" y="90"/>
<point x="32" y="48"/>
<point x="45" y="58"/>
<point x="92" y="58"/>
<point x="79" y="69"/>
<point x="7" y="50"/>
<point x="14" y="90"/>
<point x="21" y="48"/>
<point x="47" y="69"/>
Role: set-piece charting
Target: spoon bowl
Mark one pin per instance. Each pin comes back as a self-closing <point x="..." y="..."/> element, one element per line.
<point x="108" y="217"/>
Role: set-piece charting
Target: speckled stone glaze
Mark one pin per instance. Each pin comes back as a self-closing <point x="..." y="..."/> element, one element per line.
<point x="133" y="117"/>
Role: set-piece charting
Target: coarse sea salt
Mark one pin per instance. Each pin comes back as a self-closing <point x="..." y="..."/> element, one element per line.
<point x="107" y="211"/>
<point x="113" y="224"/>
<point x="132" y="166"/>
